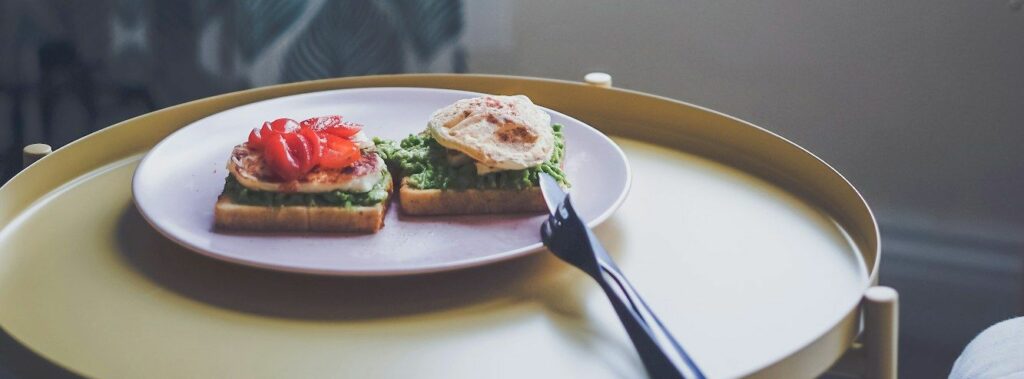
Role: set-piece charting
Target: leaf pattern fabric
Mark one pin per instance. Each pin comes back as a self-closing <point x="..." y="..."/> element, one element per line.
<point x="262" y="22"/>
<point x="129" y="57"/>
<point x="346" y="38"/>
<point x="429" y="24"/>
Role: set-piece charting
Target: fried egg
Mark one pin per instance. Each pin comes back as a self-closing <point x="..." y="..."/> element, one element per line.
<point x="497" y="132"/>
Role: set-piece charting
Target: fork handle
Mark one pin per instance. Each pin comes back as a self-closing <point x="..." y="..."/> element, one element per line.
<point x="661" y="355"/>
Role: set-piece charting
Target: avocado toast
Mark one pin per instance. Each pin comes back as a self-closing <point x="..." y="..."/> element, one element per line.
<point x="478" y="156"/>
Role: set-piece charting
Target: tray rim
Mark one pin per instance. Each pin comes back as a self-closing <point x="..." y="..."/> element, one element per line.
<point x="811" y="359"/>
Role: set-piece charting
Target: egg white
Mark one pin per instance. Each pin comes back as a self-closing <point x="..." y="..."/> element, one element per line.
<point x="469" y="126"/>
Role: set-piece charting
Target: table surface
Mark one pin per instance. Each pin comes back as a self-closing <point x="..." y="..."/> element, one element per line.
<point x="743" y="291"/>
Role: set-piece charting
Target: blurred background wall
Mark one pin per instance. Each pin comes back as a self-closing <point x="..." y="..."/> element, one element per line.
<point x="919" y="103"/>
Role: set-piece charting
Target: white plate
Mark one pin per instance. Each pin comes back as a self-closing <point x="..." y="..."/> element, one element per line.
<point x="177" y="184"/>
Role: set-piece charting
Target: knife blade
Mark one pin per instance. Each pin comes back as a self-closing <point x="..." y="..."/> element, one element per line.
<point x="553" y="193"/>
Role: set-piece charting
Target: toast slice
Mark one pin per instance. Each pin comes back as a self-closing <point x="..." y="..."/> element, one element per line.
<point x="423" y="202"/>
<point x="230" y="216"/>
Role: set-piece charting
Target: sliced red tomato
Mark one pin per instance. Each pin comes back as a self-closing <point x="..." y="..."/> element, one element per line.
<point x="333" y="125"/>
<point x="266" y="131"/>
<point x="291" y="155"/>
<point x="302" y="149"/>
<point x="322" y="122"/>
<point x="292" y="149"/>
<point x="345" y="130"/>
<point x="283" y="125"/>
<point x="255" y="140"/>
<point x="279" y="157"/>
<point x="318" y="123"/>
<point x="314" y="143"/>
<point x="338" y="152"/>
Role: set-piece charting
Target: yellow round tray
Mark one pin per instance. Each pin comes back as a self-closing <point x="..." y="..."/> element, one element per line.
<point x="752" y="250"/>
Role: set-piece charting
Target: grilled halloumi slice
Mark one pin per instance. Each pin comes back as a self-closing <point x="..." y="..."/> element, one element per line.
<point x="251" y="171"/>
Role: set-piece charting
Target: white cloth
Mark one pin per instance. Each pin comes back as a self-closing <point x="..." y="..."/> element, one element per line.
<point x="998" y="353"/>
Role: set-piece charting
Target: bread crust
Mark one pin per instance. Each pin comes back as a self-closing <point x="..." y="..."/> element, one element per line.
<point x="229" y="216"/>
<point x="424" y="202"/>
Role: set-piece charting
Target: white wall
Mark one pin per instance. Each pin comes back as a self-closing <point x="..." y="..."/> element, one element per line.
<point x="919" y="103"/>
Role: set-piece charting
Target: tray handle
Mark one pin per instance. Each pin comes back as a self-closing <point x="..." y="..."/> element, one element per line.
<point x="875" y="355"/>
<point x="34" y="152"/>
<point x="599" y="79"/>
<point x="881" y="331"/>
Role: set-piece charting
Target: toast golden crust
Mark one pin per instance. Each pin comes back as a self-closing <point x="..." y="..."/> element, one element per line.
<point x="422" y="202"/>
<point x="229" y="216"/>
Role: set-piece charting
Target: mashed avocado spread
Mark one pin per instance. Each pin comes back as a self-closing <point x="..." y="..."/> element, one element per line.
<point x="425" y="163"/>
<point x="241" y="195"/>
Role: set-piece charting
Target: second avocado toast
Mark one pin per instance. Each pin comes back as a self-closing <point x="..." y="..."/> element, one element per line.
<point x="478" y="156"/>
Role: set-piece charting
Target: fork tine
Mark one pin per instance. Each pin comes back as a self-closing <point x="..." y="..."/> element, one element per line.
<point x="554" y="224"/>
<point x="561" y="213"/>
<point x="567" y="205"/>
<point x="550" y="232"/>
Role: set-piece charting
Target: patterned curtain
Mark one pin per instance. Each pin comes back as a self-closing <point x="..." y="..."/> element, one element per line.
<point x="70" y="67"/>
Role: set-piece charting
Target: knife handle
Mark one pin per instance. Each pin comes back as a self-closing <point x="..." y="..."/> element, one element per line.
<point x="660" y="353"/>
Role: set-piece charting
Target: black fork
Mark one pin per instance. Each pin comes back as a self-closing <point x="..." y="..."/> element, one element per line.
<point x="565" y="234"/>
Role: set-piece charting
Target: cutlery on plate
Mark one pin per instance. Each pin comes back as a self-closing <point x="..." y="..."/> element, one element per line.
<point x="566" y="235"/>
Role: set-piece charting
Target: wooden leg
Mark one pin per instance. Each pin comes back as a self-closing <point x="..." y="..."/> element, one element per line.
<point x="881" y="332"/>
<point x="32" y="153"/>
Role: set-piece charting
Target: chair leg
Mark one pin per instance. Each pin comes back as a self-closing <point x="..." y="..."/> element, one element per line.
<point x="881" y="332"/>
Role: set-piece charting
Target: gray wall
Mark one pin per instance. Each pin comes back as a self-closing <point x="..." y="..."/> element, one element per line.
<point x="919" y="103"/>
